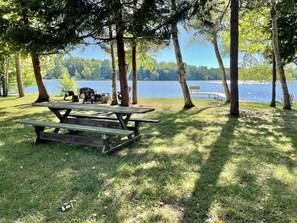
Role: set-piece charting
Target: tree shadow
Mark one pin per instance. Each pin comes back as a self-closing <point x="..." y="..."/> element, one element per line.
<point x="148" y="178"/>
<point x="205" y="187"/>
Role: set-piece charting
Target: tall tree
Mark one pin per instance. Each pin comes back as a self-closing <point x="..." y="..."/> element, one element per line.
<point x="279" y="64"/>
<point x="234" y="105"/>
<point x="114" y="98"/>
<point x="287" y="30"/>
<point x="18" y="68"/>
<point x="121" y="55"/>
<point x="180" y="64"/>
<point x="4" y="78"/>
<point x="210" y="25"/>
<point x="40" y="27"/>
<point x="134" y="74"/>
<point x="134" y="63"/>
<point x="273" y="93"/>
<point x="42" y="92"/>
<point x="221" y="66"/>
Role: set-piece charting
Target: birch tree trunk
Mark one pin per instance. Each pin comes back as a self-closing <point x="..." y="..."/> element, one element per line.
<point x="43" y="95"/>
<point x="19" y="75"/>
<point x="222" y="67"/>
<point x="234" y="99"/>
<point x="279" y="65"/>
<point x="273" y="95"/>
<point x="114" y="97"/>
<point x="180" y="63"/>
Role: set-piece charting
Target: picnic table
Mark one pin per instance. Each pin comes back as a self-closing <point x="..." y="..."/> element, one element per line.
<point x="113" y="124"/>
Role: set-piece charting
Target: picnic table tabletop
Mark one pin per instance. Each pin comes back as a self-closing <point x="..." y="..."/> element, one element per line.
<point x="95" y="107"/>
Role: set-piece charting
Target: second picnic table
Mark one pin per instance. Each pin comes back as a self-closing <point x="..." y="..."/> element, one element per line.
<point x="111" y="122"/>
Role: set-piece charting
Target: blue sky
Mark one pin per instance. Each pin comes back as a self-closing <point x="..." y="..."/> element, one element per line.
<point x="198" y="55"/>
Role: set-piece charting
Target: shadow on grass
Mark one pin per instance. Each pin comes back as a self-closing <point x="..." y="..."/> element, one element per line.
<point x="146" y="182"/>
<point x="205" y="188"/>
<point x="289" y="129"/>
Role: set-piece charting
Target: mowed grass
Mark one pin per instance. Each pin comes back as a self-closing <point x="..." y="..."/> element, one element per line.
<point x="196" y="165"/>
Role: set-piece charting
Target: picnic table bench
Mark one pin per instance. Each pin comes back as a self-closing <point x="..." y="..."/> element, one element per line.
<point x="114" y="130"/>
<point x="107" y="120"/>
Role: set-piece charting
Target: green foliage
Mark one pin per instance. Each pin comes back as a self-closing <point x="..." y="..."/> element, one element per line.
<point x="287" y="30"/>
<point x="257" y="68"/>
<point x="28" y="72"/>
<point x="145" y="56"/>
<point x="254" y="36"/>
<point x="68" y="83"/>
<point x="97" y="70"/>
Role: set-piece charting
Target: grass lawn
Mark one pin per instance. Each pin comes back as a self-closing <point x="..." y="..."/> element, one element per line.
<point x="196" y="165"/>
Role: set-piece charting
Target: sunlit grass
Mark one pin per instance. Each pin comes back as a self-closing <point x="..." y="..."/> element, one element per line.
<point x="195" y="165"/>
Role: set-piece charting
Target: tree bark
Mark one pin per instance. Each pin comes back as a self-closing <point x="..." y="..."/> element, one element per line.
<point x="43" y="95"/>
<point x="273" y="95"/>
<point x="222" y="67"/>
<point x="2" y="62"/>
<point x="5" y="78"/>
<point x="134" y="75"/>
<point x="180" y="64"/>
<point x="122" y="66"/>
<point x="19" y="75"/>
<point x="114" y="98"/>
<point x="279" y="65"/>
<point x="234" y="99"/>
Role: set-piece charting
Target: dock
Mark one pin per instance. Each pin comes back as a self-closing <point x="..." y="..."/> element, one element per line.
<point x="211" y="95"/>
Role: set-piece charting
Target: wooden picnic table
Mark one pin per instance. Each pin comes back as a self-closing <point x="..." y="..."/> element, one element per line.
<point x="113" y="123"/>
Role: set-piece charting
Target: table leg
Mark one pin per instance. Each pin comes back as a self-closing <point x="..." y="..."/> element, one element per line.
<point x="62" y="118"/>
<point x="38" y="130"/>
<point x="108" y="148"/>
<point x="124" y="122"/>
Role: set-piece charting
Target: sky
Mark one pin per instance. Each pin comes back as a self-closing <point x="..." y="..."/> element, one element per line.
<point x="198" y="55"/>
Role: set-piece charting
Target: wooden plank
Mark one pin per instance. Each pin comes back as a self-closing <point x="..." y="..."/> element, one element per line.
<point x="108" y="131"/>
<point x="121" y="145"/>
<point x="94" y="107"/>
<point x="97" y="123"/>
<point x="194" y="87"/>
<point x="112" y="118"/>
<point x="72" y="139"/>
<point x="214" y="94"/>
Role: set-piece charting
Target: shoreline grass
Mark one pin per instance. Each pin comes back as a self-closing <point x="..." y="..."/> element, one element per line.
<point x="196" y="165"/>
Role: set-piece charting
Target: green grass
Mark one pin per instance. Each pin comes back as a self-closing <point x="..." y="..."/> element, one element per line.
<point x="194" y="166"/>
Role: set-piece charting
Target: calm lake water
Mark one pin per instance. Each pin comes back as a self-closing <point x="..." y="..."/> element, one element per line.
<point x="250" y="91"/>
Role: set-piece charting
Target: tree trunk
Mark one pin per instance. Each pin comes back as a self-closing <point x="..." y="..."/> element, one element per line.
<point x="43" y="95"/>
<point x="5" y="77"/>
<point x="279" y="65"/>
<point x="2" y="61"/>
<point x="180" y="63"/>
<point x="19" y="78"/>
<point x="134" y="75"/>
<point x="234" y="99"/>
<point x="222" y="67"/>
<point x="114" y="98"/>
<point x="122" y="67"/>
<point x="273" y="95"/>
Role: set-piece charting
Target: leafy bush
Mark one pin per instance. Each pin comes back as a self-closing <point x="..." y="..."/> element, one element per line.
<point x="67" y="83"/>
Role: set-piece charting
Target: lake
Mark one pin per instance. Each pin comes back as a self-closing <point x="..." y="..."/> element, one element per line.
<point x="250" y="91"/>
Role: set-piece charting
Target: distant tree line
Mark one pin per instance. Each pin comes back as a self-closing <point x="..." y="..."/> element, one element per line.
<point x="91" y="69"/>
